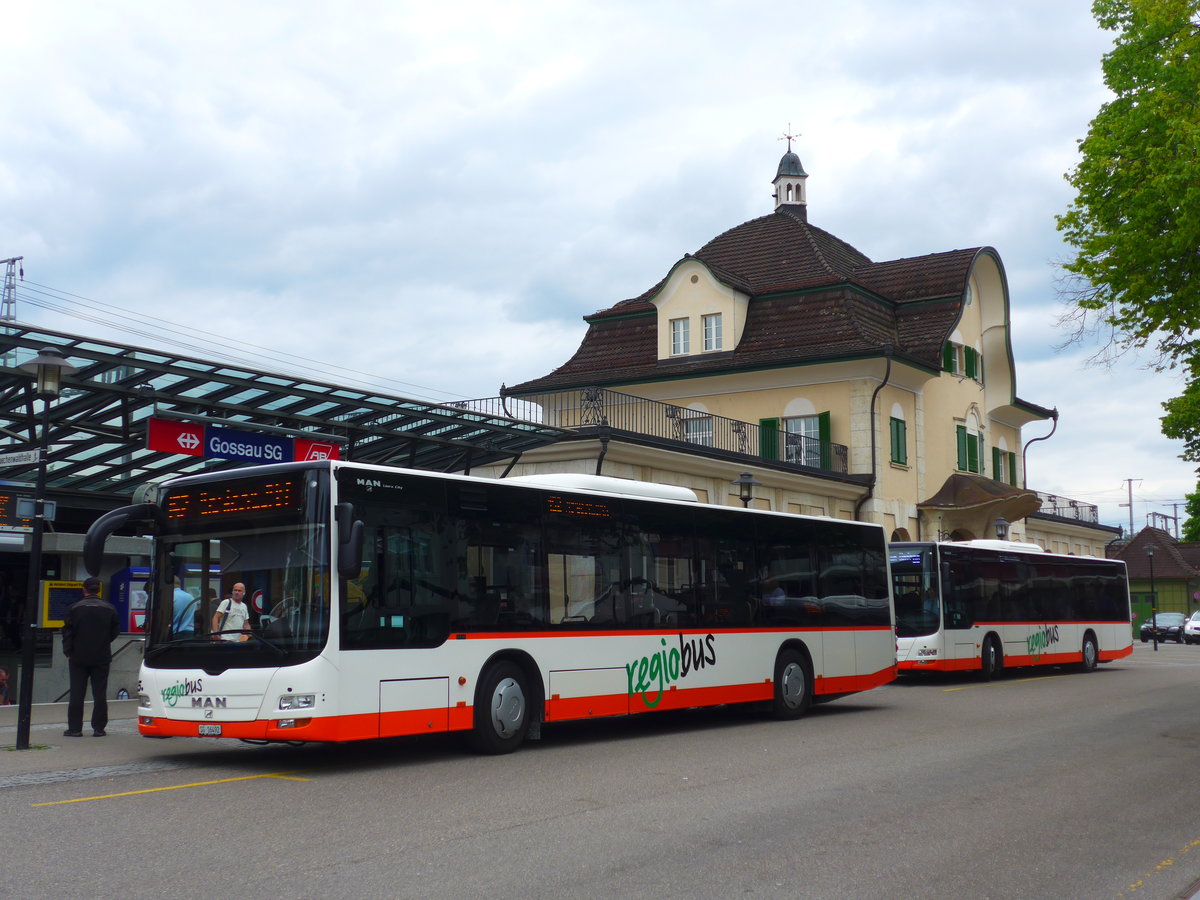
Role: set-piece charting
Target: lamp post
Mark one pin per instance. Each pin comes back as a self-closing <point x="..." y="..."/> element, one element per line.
<point x="746" y="484"/>
<point x="48" y="366"/>
<point x="1150" y="548"/>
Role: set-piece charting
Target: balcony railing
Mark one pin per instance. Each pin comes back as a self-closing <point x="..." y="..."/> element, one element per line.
<point x="590" y="407"/>
<point x="1053" y="505"/>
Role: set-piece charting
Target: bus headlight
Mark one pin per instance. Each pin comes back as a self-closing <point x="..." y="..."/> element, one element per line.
<point x="297" y="701"/>
<point x="143" y="700"/>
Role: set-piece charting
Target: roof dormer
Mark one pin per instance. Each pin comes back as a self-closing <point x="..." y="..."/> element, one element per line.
<point x="697" y="313"/>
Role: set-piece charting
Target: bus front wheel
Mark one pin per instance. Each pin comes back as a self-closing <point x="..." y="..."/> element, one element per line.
<point x="793" y="685"/>
<point x="501" y="709"/>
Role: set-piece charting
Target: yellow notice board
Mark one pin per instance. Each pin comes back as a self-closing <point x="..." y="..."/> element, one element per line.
<point x="57" y="596"/>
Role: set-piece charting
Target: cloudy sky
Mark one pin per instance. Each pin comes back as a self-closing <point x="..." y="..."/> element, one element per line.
<point x="429" y="197"/>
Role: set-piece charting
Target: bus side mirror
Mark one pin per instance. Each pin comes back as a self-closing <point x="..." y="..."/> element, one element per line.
<point x="114" y="520"/>
<point x="350" y="541"/>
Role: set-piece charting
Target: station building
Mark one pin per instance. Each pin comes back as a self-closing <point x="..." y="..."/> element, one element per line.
<point x="881" y="391"/>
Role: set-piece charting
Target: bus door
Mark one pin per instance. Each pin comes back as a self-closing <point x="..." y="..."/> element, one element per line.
<point x="960" y="587"/>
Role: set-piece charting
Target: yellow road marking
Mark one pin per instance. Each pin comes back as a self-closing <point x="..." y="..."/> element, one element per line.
<point x="285" y="776"/>
<point x="969" y="687"/>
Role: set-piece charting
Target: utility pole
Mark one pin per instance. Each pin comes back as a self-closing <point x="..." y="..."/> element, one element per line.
<point x="8" y="300"/>
<point x="1129" y="485"/>
<point x="1175" y="511"/>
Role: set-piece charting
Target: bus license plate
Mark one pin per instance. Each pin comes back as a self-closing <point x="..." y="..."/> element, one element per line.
<point x="210" y="731"/>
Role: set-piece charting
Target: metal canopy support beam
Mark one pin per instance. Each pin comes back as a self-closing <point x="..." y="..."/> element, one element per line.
<point x="98" y="423"/>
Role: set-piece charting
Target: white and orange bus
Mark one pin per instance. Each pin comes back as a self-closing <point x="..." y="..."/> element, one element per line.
<point x="392" y="602"/>
<point x="982" y="605"/>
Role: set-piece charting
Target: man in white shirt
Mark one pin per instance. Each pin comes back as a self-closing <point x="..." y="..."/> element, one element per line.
<point x="231" y="621"/>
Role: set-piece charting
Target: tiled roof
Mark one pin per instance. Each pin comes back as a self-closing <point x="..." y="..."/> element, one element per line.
<point x="812" y="297"/>
<point x="1172" y="560"/>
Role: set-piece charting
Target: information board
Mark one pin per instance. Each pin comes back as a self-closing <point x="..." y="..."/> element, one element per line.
<point x="57" y="597"/>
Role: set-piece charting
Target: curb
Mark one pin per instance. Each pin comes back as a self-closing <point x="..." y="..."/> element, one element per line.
<point x="56" y="713"/>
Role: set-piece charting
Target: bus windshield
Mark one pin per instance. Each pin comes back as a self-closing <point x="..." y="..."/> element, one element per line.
<point x="915" y="590"/>
<point x="268" y="538"/>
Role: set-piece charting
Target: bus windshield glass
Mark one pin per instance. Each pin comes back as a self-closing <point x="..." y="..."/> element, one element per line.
<point x="915" y="590"/>
<point x="242" y="574"/>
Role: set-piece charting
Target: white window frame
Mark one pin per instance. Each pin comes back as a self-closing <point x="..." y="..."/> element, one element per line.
<point x="713" y="339"/>
<point x="681" y="343"/>
<point x="698" y="430"/>
<point x="802" y="440"/>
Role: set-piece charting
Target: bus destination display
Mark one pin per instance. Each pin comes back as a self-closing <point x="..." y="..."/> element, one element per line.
<point x="238" y="499"/>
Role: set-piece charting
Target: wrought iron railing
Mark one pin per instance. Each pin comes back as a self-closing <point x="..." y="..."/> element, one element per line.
<point x="590" y="407"/>
<point x="1053" y="505"/>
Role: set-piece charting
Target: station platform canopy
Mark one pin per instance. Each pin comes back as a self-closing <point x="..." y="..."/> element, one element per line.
<point x="97" y="434"/>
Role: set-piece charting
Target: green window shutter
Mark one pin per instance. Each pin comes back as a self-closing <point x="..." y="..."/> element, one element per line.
<point x="961" y="436"/>
<point x="899" y="441"/>
<point x="973" y="444"/>
<point x="1012" y="468"/>
<point x="824" y="430"/>
<point x="969" y="361"/>
<point x="997" y="465"/>
<point x="948" y="357"/>
<point x="768" y="438"/>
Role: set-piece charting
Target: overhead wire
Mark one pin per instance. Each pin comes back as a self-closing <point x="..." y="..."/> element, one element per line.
<point x="158" y="330"/>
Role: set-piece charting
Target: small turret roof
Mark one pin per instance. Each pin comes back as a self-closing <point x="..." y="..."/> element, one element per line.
<point x="790" y="165"/>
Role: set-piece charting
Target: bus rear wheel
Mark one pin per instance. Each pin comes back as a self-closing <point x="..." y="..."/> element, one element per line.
<point x="1091" y="654"/>
<point x="793" y="685"/>
<point x="990" y="659"/>
<point x="501" y="709"/>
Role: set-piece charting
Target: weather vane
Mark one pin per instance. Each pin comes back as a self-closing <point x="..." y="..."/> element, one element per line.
<point x="789" y="137"/>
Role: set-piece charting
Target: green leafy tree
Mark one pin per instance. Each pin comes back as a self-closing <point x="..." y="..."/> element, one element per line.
<point x="1191" y="525"/>
<point x="1135" y="221"/>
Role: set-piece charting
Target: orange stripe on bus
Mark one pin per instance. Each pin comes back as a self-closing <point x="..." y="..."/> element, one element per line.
<point x="364" y="726"/>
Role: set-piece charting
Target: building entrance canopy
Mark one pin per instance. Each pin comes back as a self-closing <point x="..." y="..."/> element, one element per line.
<point x="968" y="505"/>
<point x="98" y="426"/>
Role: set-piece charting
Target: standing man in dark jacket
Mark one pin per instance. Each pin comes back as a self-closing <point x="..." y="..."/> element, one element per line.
<point x="89" y="628"/>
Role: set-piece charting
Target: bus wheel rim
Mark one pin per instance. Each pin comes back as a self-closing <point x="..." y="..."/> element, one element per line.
<point x="508" y="707"/>
<point x="792" y="685"/>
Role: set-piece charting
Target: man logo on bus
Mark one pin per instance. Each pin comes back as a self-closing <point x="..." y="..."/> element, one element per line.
<point x="656" y="672"/>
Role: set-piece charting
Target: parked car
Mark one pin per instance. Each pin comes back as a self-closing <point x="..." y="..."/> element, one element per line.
<point x="1169" y="624"/>
<point x="1191" y="629"/>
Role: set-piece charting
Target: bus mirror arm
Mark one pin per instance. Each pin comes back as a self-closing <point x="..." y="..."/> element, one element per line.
<point x="97" y="534"/>
<point x="350" y="541"/>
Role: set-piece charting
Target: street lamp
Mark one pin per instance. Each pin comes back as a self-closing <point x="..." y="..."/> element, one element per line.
<point x="48" y="367"/>
<point x="1001" y="526"/>
<point x="745" y="484"/>
<point x="1150" y="548"/>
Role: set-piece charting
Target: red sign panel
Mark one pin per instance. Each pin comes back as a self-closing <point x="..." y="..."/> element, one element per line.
<point x="166" y="436"/>
<point x="310" y="451"/>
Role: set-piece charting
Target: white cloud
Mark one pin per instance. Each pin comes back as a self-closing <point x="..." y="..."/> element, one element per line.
<point x="438" y="194"/>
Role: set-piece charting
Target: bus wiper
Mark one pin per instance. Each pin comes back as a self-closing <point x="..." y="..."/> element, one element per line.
<point x="275" y="648"/>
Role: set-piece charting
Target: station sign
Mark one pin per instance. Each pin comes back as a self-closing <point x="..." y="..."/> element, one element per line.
<point x="212" y="442"/>
<point x="20" y="458"/>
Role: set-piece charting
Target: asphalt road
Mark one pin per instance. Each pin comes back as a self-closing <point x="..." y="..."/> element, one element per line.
<point x="1039" y="785"/>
